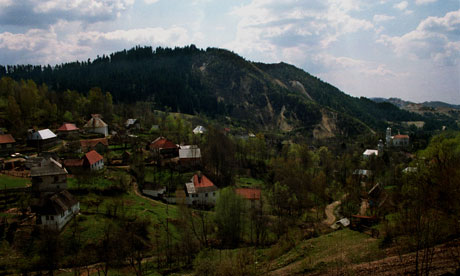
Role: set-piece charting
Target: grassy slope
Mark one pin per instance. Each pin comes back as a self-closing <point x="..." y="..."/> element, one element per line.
<point x="10" y="182"/>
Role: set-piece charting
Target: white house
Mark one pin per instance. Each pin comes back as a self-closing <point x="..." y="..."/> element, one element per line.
<point x="93" y="160"/>
<point x="370" y="152"/>
<point x="201" y="191"/>
<point x="96" y="125"/>
<point x="44" y="138"/>
<point x="48" y="176"/>
<point x="199" y="130"/>
<point x="54" y="211"/>
<point x="189" y="155"/>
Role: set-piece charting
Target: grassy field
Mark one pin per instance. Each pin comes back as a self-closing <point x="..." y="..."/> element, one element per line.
<point x="10" y="182"/>
<point x="247" y="182"/>
<point x="334" y="250"/>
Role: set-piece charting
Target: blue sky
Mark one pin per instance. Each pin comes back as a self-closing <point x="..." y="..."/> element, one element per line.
<point x="382" y="48"/>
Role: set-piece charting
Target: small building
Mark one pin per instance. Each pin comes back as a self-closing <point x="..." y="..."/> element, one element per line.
<point x="96" y="125"/>
<point x="100" y="145"/>
<point x="250" y="194"/>
<point x="49" y="177"/>
<point x="73" y="166"/>
<point x="199" y="130"/>
<point x="42" y="139"/>
<point x="189" y="155"/>
<point x="410" y="170"/>
<point x="132" y="124"/>
<point x="164" y="147"/>
<point x="54" y="211"/>
<point x="93" y="160"/>
<point x="7" y="144"/>
<point x="369" y="153"/>
<point x="201" y="191"/>
<point x="67" y="130"/>
<point x="401" y="140"/>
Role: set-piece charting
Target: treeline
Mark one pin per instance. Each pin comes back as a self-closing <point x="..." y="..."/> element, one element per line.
<point x="216" y="82"/>
<point x="25" y="105"/>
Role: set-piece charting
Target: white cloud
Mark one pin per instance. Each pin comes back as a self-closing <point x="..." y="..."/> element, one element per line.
<point x="5" y="3"/>
<point x="422" y="2"/>
<point x="435" y="38"/>
<point x="401" y="6"/>
<point x="382" y="17"/>
<point x="151" y="1"/>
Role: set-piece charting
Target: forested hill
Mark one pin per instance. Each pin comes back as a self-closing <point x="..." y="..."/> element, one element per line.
<point x="217" y="82"/>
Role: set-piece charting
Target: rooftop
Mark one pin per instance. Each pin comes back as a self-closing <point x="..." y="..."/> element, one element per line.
<point x="249" y="193"/>
<point x="162" y="143"/>
<point x="6" y="139"/>
<point x="50" y="167"/>
<point x="93" y="157"/>
<point x="68" y="127"/>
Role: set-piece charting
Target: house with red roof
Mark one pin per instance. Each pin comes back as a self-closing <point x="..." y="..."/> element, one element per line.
<point x="93" y="160"/>
<point x="7" y="143"/>
<point x="165" y="147"/>
<point x="401" y="140"/>
<point x="100" y="145"/>
<point x="201" y="191"/>
<point x="251" y="195"/>
<point x="67" y="129"/>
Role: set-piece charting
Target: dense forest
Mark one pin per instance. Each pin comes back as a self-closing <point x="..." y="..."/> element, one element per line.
<point x="216" y="82"/>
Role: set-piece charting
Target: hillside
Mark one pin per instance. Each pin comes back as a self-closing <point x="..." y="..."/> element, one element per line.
<point x="219" y="83"/>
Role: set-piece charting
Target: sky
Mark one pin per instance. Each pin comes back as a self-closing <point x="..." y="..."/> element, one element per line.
<point x="408" y="49"/>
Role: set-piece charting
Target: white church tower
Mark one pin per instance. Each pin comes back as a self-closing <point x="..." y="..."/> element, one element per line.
<point x="388" y="137"/>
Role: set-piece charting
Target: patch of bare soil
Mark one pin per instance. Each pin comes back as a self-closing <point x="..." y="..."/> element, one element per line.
<point x="330" y="217"/>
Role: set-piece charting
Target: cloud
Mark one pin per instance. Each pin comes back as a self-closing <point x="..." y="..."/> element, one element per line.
<point x="54" y="45"/>
<point x="151" y="1"/>
<point x="435" y="38"/>
<point x="269" y="26"/>
<point x="422" y="2"/>
<point x="401" y="6"/>
<point x="382" y="17"/>
<point x="42" y="13"/>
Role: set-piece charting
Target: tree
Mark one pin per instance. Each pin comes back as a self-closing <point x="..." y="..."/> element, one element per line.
<point x="228" y="217"/>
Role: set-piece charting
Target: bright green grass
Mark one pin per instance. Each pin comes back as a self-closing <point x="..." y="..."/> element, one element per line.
<point x="10" y="182"/>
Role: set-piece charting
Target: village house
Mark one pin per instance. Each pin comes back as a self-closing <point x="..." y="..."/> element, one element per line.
<point x="96" y="125"/>
<point x="164" y="147"/>
<point x="189" y="155"/>
<point x="132" y="124"/>
<point x="93" y="160"/>
<point x="49" y="177"/>
<point x="201" y="191"/>
<point x="100" y="145"/>
<point x="7" y="143"/>
<point x="369" y="153"/>
<point x="67" y="130"/>
<point x="251" y="195"/>
<point x="199" y="130"/>
<point x="54" y="211"/>
<point x="41" y="139"/>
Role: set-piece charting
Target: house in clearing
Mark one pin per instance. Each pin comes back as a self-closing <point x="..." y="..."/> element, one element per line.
<point x="164" y="147"/>
<point x="132" y="124"/>
<point x="54" y="211"/>
<point x="100" y="145"/>
<point x="41" y="139"/>
<point x="49" y="177"/>
<point x="189" y="155"/>
<point x="201" y="191"/>
<point x="93" y="160"/>
<point x="7" y="143"/>
<point x="251" y="195"/>
<point x="96" y="125"/>
<point x="67" y="130"/>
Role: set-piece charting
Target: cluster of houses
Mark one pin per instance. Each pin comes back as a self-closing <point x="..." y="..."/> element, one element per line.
<point x="396" y="141"/>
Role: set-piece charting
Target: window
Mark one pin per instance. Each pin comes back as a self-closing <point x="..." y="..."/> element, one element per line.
<point x="47" y="217"/>
<point x="206" y="194"/>
<point x="8" y="146"/>
<point x="214" y="193"/>
<point x="52" y="217"/>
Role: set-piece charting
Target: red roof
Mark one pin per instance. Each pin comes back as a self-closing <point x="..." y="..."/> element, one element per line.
<point x="248" y="193"/>
<point x="204" y="182"/>
<point x="68" y="127"/>
<point x="94" y="142"/>
<point x="6" y="139"/>
<point x="401" y="136"/>
<point x="162" y="143"/>
<point x="93" y="157"/>
<point x="73" y="162"/>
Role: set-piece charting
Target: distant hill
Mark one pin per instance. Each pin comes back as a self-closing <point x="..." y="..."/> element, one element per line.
<point x="219" y="83"/>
